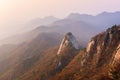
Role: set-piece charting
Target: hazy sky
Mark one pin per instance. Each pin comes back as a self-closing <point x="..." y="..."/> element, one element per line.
<point x="14" y="13"/>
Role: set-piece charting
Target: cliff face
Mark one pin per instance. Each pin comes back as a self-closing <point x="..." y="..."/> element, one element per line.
<point x="104" y="47"/>
<point x="69" y="48"/>
<point x="68" y="41"/>
<point x="117" y="55"/>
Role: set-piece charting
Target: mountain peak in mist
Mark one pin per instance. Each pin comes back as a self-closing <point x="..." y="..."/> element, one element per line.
<point x="50" y="18"/>
<point x="68" y="41"/>
<point x="36" y="22"/>
<point x="105" y="13"/>
<point x="44" y="21"/>
<point x="78" y="15"/>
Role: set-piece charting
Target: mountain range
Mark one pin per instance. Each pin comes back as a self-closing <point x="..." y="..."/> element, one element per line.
<point x="78" y="24"/>
<point x="74" y="48"/>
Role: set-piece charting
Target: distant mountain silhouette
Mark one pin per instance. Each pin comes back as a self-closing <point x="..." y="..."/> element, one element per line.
<point x="78" y="24"/>
<point x="40" y="22"/>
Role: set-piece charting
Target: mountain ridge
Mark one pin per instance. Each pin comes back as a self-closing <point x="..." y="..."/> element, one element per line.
<point x="79" y="26"/>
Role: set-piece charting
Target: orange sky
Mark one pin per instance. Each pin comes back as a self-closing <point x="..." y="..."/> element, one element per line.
<point x="16" y="12"/>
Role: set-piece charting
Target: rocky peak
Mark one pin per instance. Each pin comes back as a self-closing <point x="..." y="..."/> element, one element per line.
<point x="104" y="47"/>
<point x="69" y="48"/>
<point x="68" y="41"/>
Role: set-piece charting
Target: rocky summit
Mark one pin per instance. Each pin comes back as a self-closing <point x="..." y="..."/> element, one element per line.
<point x="68" y="41"/>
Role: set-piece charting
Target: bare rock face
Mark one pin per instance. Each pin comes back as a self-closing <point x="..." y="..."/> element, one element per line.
<point x="117" y="55"/>
<point x="90" y="45"/>
<point x="104" y="48"/>
<point x="68" y="41"/>
<point x="69" y="48"/>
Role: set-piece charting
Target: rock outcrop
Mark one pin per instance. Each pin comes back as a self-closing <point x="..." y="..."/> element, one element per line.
<point x="69" y="47"/>
<point x="104" y="48"/>
<point x="68" y="41"/>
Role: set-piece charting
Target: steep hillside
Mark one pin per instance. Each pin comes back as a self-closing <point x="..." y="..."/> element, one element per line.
<point x="56" y="60"/>
<point x="72" y="69"/>
<point x="102" y="47"/>
<point x="100" y="61"/>
<point x="100" y="54"/>
<point x="45" y="58"/>
<point x="5" y="51"/>
<point x="25" y="56"/>
<point x="69" y="48"/>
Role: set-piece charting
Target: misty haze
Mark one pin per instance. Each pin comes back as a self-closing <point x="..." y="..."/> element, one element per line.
<point x="59" y="40"/>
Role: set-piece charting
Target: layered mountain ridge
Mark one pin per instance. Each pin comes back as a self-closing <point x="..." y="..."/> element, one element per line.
<point x="96" y="61"/>
<point x="45" y="58"/>
<point x="83" y="26"/>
